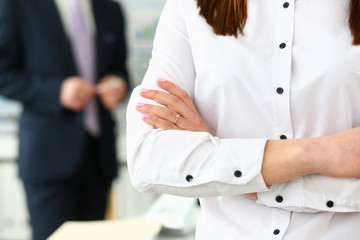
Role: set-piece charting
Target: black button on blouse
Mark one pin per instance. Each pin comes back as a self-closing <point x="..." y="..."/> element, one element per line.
<point x="238" y="173"/>
<point x="283" y="137"/>
<point x="276" y="231"/>
<point x="286" y="5"/>
<point x="279" y="199"/>
<point x="189" y="178"/>
<point x="282" y="45"/>
<point x="330" y="204"/>
<point x="280" y="90"/>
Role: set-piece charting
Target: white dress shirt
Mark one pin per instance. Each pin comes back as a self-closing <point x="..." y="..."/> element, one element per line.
<point x="295" y="74"/>
<point x="86" y="7"/>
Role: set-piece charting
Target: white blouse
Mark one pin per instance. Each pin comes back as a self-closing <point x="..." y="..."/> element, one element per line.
<point x="295" y="74"/>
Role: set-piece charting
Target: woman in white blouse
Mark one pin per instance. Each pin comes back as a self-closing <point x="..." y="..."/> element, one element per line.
<point x="264" y="127"/>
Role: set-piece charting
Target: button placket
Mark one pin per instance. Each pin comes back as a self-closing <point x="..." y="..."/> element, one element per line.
<point x="280" y="221"/>
<point x="282" y="70"/>
<point x="281" y="94"/>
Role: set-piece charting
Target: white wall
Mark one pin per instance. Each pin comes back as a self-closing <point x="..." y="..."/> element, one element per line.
<point x="14" y="220"/>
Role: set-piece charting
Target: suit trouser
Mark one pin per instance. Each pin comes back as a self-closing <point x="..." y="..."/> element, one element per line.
<point x="81" y="198"/>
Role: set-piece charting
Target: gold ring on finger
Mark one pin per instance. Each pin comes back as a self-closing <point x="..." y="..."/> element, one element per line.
<point x="176" y="118"/>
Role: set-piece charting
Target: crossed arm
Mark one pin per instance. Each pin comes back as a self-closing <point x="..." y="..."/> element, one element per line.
<point x="336" y="155"/>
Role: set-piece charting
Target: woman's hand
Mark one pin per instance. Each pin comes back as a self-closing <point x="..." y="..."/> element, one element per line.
<point x="179" y="112"/>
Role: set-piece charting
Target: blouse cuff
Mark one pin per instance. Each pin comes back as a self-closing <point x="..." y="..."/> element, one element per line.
<point x="311" y="193"/>
<point x="243" y="169"/>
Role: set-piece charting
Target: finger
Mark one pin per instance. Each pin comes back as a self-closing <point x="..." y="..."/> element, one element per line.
<point x="159" y="123"/>
<point x="193" y="123"/>
<point x="159" y="112"/>
<point x="81" y="96"/>
<point x="108" y="102"/>
<point x="171" y="101"/>
<point x="176" y="91"/>
<point x="114" y="94"/>
<point x="87" y="90"/>
<point x="110" y="83"/>
<point x="110" y="106"/>
<point x="84" y="96"/>
<point x="111" y="98"/>
<point x="122" y="94"/>
<point x="76" y="105"/>
<point x="251" y="195"/>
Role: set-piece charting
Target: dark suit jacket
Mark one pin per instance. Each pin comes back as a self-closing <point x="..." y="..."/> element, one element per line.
<point x="35" y="58"/>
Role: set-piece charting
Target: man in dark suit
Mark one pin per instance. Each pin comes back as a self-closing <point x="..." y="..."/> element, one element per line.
<point x="66" y="167"/>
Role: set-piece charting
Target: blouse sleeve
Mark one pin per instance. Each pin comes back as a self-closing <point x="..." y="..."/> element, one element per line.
<point x="314" y="193"/>
<point x="193" y="164"/>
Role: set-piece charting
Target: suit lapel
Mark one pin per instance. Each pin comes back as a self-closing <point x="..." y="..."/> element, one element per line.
<point x="51" y="21"/>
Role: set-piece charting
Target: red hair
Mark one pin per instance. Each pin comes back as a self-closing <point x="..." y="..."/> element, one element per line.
<point x="354" y="21"/>
<point x="228" y="17"/>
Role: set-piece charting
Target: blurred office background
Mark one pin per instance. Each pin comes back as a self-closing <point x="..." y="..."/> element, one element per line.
<point x="142" y="17"/>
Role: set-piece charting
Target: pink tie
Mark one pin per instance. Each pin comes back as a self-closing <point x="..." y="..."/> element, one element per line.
<point x="83" y="48"/>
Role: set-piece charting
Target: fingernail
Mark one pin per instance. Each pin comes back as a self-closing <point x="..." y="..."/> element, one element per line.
<point x="146" y="116"/>
<point x="140" y="105"/>
<point x="144" y="90"/>
<point x="161" y="80"/>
